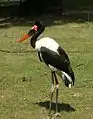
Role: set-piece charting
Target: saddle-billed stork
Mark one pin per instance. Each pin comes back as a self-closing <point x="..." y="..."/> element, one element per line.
<point x="53" y="55"/>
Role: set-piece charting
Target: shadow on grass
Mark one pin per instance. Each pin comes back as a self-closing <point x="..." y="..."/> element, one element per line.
<point x="62" y="106"/>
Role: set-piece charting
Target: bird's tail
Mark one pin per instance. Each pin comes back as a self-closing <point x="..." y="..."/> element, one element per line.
<point x="68" y="79"/>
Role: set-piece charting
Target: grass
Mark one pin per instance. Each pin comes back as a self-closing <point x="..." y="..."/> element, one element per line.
<point x="25" y="82"/>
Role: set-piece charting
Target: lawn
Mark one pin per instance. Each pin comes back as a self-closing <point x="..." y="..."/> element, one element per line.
<point x="25" y="82"/>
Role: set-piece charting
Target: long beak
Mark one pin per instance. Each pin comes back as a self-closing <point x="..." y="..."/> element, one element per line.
<point x="26" y="36"/>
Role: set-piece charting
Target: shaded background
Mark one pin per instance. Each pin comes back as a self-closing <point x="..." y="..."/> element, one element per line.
<point x="22" y="11"/>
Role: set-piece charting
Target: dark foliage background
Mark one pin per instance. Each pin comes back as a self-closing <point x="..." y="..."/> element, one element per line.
<point x="42" y="6"/>
<point x="73" y="10"/>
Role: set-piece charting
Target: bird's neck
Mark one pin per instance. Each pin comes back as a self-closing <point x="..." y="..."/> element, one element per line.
<point x="36" y="37"/>
<point x="40" y="36"/>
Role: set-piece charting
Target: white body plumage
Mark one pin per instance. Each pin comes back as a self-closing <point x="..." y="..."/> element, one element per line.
<point x="48" y="43"/>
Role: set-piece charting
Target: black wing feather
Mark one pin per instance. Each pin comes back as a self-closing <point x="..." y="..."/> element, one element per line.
<point x="39" y="56"/>
<point x="60" y="61"/>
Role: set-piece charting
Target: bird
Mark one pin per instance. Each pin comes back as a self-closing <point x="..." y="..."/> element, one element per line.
<point x="54" y="56"/>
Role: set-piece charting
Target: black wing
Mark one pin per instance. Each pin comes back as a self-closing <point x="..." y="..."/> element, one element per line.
<point x="60" y="61"/>
<point x="39" y="56"/>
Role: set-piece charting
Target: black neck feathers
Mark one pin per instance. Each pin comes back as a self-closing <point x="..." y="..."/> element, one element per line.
<point x="36" y="35"/>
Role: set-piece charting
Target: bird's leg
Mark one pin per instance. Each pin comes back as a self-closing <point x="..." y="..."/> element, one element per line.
<point x="51" y="93"/>
<point x="57" y="89"/>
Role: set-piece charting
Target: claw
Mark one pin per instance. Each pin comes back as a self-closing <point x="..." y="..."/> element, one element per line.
<point x="57" y="114"/>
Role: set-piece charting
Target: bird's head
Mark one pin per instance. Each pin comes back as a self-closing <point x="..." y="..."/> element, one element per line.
<point x="35" y="28"/>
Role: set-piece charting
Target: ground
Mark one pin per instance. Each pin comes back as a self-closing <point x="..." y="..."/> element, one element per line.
<point x="25" y="82"/>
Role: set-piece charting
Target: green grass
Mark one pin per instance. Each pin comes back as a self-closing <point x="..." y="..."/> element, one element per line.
<point x="25" y="82"/>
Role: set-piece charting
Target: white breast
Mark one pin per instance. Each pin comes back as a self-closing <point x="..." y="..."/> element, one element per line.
<point x="48" y="43"/>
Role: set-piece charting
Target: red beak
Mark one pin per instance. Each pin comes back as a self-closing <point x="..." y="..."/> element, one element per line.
<point x="26" y="36"/>
<point x="31" y="32"/>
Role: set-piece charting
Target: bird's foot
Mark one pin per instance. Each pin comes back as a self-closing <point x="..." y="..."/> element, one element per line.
<point x="57" y="114"/>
